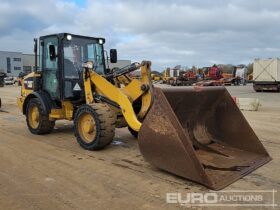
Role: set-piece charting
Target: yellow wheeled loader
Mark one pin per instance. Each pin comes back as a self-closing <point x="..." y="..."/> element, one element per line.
<point x="198" y="134"/>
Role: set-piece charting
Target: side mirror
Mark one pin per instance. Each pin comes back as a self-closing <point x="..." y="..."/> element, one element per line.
<point x="113" y="56"/>
<point x="52" y="52"/>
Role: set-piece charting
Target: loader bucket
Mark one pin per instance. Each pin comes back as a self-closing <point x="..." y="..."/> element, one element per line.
<point x="200" y="134"/>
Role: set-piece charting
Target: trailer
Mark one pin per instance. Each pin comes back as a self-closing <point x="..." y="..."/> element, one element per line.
<point x="266" y="74"/>
<point x="210" y="82"/>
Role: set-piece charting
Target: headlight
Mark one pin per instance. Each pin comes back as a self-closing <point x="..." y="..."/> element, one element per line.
<point x="69" y="37"/>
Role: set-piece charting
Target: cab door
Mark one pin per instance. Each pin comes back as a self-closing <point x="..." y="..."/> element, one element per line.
<point x="50" y="70"/>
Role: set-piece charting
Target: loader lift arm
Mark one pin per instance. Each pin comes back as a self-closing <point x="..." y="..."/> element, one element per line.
<point x="122" y="96"/>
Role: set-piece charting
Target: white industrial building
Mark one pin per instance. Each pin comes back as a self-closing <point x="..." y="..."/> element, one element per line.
<point x="120" y="64"/>
<point x="12" y="63"/>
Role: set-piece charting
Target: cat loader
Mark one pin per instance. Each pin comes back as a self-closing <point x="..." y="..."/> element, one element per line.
<point x="195" y="133"/>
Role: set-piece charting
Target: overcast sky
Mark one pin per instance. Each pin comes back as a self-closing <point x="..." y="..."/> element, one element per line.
<point x="186" y="32"/>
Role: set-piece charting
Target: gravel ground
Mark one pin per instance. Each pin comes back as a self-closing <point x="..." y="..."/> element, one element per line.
<point x="53" y="172"/>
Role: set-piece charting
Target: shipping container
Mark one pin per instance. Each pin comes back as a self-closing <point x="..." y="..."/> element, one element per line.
<point x="266" y="74"/>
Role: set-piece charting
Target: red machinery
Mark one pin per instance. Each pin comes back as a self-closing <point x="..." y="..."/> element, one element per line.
<point x="215" y="73"/>
<point x="213" y="77"/>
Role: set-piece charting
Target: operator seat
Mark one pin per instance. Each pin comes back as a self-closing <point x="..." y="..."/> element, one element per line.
<point x="70" y="71"/>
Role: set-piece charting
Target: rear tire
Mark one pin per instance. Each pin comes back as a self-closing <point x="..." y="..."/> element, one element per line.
<point x="256" y="88"/>
<point x="37" y="120"/>
<point x="94" y="126"/>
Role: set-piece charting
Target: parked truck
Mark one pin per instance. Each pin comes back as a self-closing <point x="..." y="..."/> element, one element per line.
<point x="240" y="75"/>
<point x="266" y="74"/>
<point x="2" y="76"/>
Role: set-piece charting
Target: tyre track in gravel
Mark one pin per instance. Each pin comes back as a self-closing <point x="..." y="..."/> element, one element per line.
<point x="49" y="156"/>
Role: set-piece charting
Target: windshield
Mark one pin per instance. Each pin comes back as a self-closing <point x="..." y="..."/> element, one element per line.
<point x="78" y="51"/>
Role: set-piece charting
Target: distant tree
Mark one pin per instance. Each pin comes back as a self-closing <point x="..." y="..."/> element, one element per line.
<point x="194" y="69"/>
<point x="177" y="67"/>
<point x="184" y="68"/>
<point x="250" y="68"/>
<point x="155" y="72"/>
<point x="226" y="68"/>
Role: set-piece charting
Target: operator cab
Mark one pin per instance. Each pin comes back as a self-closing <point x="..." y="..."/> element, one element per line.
<point x="60" y="61"/>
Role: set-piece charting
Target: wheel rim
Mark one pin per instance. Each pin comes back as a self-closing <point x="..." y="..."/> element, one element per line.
<point x="87" y="127"/>
<point x="33" y="116"/>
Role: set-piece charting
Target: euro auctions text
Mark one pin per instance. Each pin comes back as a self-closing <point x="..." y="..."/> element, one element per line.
<point x="247" y="198"/>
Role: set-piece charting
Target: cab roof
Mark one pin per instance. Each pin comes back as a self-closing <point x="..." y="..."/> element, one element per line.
<point x="62" y="35"/>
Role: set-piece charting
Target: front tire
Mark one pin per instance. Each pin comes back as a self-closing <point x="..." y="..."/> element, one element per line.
<point x="37" y="120"/>
<point x="94" y="126"/>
